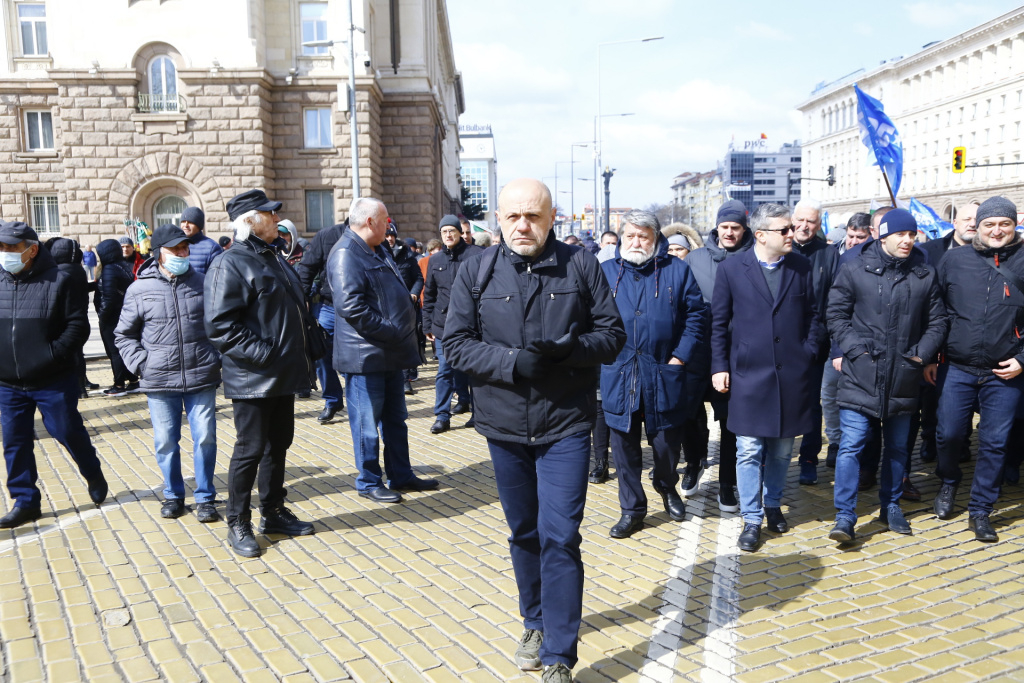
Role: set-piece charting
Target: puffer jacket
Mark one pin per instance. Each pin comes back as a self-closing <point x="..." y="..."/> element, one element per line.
<point x="161" y="336"/>
<point x="986" y="311"/>
<point x="704" y="261"/>
<point x="441" y="272"/>
<point x="883" y="312"/>
<point x="521" y="302"/>
<point x="43" y="324"/>
<point x="255" y="323"/>
<point x="201" y="252"/>
<point x="114" y="279"/>
<point x="665" y="317"/>
<point x="375" y="324"/>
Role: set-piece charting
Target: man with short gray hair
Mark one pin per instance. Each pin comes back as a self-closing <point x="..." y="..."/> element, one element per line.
<point x="766" y="336"/>
<point x="658" y="377"/>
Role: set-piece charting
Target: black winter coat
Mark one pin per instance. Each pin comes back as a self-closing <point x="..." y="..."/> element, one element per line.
<point x="255" y="323"/>
<point x="882" y="314"/>
<point x="525" y="301"/>
<point x="408" y="268"/>
<point x="114" y="279"/>
<point x="375" y="325"/>
<point x="314" y="261"/>
<point x="704" y="261"/>
<point x="824" y="259"/>
<point x="43" y="324"/>
<point x="441" y="273"/>
<point x="986" y="311"/>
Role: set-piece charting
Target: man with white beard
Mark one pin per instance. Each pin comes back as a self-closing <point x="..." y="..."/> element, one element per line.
<point x="655" y="380"/>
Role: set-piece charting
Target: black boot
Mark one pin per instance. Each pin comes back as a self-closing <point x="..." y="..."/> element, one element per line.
<point x="599" y="472"/>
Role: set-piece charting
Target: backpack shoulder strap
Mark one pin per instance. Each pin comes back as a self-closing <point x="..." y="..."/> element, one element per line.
<point x="483" y="273"/>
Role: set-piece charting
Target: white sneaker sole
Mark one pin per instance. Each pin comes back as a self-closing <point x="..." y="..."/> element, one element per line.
<point x="687" y="493"/>
<point x="728" y="508"/>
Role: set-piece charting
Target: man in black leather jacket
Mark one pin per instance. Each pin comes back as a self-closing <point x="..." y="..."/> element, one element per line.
<point x="255" y="317"/>
<point x="374" y="341"/>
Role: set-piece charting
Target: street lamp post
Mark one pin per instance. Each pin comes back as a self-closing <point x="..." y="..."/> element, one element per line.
<point x="352" y="125"/>
<point x="597" y="163"/>
<point x="597" y="125"/>
<point x="572" y="183"/>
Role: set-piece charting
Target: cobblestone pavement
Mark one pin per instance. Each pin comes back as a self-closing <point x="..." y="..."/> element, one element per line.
<point x="423" y="590"/>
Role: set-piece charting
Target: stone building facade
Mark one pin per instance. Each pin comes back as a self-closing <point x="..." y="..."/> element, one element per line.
<point x="189" y="102"/>
<point x="965" y="91"/>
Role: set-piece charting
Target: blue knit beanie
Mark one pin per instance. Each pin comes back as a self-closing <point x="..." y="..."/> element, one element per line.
<point x="194" y="215"/>
<point x="733" y="211"/>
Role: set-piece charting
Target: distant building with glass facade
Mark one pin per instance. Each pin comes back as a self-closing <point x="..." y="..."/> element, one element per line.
<point x="479" y="170"/>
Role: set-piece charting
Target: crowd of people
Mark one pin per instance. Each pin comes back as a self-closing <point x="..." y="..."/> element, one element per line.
<point x="559" y="352"/>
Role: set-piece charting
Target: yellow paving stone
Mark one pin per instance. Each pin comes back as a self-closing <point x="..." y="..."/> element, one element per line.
<point x="325" y="668"/>
<point x="283" y="663"/>
<point x="364" y="671"/>
<point x="138" y="669"/>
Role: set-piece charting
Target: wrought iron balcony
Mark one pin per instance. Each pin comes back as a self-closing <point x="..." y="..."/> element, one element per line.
<point x="157" y="104"/>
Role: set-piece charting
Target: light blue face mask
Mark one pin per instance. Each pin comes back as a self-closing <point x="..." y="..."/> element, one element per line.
<point x="175" y="265"/>
<point x="11" y="262"/>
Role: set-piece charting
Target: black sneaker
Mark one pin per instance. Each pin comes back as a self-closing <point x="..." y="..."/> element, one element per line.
<point x="115" y="391"/>
<point x="831" y="455"/>
<point x="206" y="513"/>
<point x="98" y="489"/>
<point x="282" y="521"/>
<point x="242" y="540"/>
<point x="172" y="508"/>
<point x="691" y="480"/>
<point x="132" y="387"/>
<point x="727" y="498"/>
<point x="775" y="521"/>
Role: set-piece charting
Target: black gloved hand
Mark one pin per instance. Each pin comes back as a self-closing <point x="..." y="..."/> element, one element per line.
<point x="557" y="349"/>
<point x="530" y="365"/>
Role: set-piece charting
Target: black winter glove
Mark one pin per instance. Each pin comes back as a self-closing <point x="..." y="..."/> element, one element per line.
<point x="530" y="365"/>
<point x="557" y="349"/>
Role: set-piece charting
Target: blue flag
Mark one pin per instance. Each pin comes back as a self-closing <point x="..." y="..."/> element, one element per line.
<point x="928" y="221"/>
<point x="879" y="135"/>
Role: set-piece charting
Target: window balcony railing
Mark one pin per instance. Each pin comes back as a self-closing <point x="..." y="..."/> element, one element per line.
<point x="157" y="104"/>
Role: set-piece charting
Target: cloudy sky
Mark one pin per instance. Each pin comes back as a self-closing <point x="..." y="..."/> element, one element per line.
<point x="724" y="70"/>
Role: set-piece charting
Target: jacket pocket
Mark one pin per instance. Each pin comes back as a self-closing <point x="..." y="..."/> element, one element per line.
<point x="860" y="372"/>
<point x="742" y="360"/>
<point x="906" y="380"/>
<point x="613" y="389"/>
<point x="671" y="388"/>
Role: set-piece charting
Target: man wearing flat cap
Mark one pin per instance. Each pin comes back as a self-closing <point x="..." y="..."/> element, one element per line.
<point x="161" y="337"/>
<point x="44" y="325"/>
<point x="441" y="272"/>
<point x="201" y="249"/>
<point x="255" y="316"/>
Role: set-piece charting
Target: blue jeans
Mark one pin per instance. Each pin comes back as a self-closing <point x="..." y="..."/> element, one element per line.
<point x="165" y="412"/>
<point x="857" y="432"/>
<point x="376" y="401"/>
<point x="997" y="400"/>
<point x="829" y="407"/>
<point x="325" y="374"/>
<point x="761" y="466"/>
<point x="449" y="381"/>
<point x="58" y="404"/>
<point x="543" y="490"/>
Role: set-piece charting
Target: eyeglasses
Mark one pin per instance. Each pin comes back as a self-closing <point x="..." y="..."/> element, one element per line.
<point x="781" y="231"/>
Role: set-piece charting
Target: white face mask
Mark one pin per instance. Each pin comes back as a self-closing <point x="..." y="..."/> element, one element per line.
<point x="11" y="261"/>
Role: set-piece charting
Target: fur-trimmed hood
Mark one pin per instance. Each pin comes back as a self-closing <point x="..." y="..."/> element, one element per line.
<point x="686" y="231"/>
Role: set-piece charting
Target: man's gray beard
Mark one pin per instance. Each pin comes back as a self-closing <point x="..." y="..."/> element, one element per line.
<point x="637" y="258"/>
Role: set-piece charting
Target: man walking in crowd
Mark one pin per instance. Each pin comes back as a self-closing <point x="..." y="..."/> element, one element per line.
<point x="824" y="260"/>
<point x="45" y="323"/>
<point x="766" y="337"/>
<point x="530" y="320"/>
<point x="887" y="318"/>
<point x="649" y="384"/>
<point x="412" y="276"/>
<point x="983" y="287"/>
<point x="131" y="255"/>
<point x="374" y="342"/>
<point x="255" y="316"/>
<point x="201" y="249"/>
<point x="441" y="272"/>
<point x="162" y="338"/>
<point x="730" y="238"/>
<point x="115" y="278"/>
<point x="467" y="230"/>
<point x="312" y="272"/>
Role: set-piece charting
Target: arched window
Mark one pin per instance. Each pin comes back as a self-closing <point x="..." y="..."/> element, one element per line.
<point x="163" y="85"/>
<point x="168" y="210"/>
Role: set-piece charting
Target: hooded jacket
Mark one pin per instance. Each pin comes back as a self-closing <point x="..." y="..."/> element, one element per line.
<point x="704" y="261"/>
<point x="882" y="313"/>
<point x="986" y="311"/>
<point x="112" y="283"/>
<point x="256" y="323"/>
<point x="665" y="317"/>
<point x="43" y="324"/>
<point x="441" y="273"/>
<point x="521" y="302"/>
<point x="694" y="238"/>
<point x="161" y="334"/>
<point x="375" y="320"/>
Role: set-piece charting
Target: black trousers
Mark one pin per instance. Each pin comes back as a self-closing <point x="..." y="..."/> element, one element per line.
<point x="726" y="444"/>
<point x="600" y="438"/>
<point x="264" y="430"/>
<point x="629" y="463"/>
<point x="121" y="374"/>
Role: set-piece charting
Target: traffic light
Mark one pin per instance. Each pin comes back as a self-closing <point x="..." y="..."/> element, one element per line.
<point x="831" y="178"/>
<point x="959" y="159"/>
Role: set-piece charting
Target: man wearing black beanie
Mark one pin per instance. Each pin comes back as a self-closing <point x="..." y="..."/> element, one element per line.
<point x="202" y="249"/>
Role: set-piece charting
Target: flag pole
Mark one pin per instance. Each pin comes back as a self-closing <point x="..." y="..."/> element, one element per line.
<point x="889" y="187"/>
